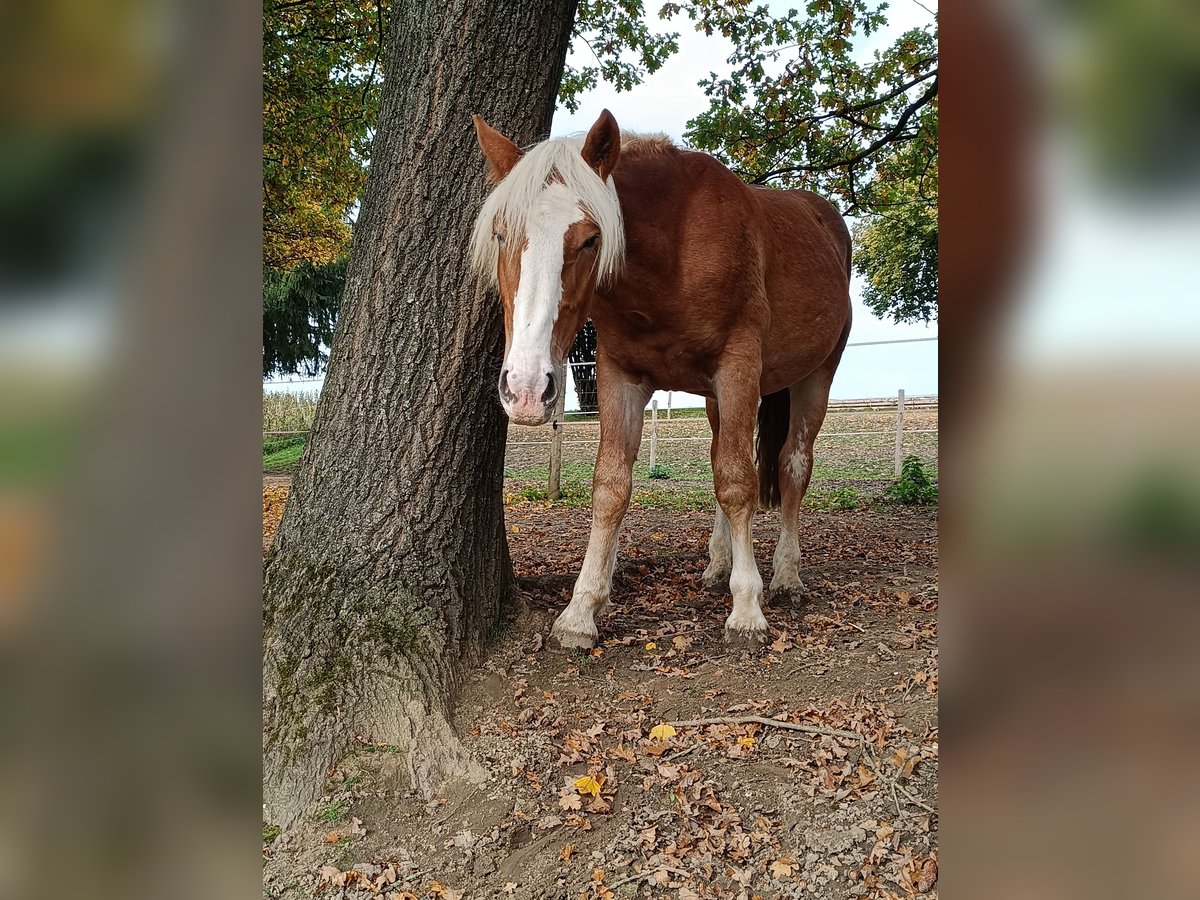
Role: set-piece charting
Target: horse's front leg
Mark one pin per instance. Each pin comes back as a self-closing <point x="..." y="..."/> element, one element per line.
<point x="622" y="408"/>
<point x="736" y="483"/>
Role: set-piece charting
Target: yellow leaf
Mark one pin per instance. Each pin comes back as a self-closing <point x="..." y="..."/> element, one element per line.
<point x="516" y="529"/>
<point x="651" y="646"/>
<point x="746" y="742"/>
<point x="588" y="785"/>
<point x="662" y="732"/>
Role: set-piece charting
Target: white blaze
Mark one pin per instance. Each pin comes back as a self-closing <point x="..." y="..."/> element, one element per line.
<point x="539" y="292"/>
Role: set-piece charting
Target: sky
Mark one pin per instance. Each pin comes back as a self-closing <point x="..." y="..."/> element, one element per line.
<point x="665" y="102"/>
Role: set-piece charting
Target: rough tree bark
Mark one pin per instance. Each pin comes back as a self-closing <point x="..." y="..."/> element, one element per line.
<point x="390" y="563"/>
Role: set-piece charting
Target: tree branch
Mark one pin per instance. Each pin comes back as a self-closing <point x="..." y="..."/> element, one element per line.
<point x="895" y="133"/>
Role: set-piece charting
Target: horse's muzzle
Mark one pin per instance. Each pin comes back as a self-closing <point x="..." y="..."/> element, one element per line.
<point x="526" y="403"/>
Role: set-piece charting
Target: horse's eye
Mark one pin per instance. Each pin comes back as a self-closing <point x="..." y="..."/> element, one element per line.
<point x="498" y="236"/>
<point x="590" y="243"/>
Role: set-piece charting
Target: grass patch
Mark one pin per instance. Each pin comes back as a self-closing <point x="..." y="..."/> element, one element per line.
<point x="282" y="454"/>
<point x="270" y="832"/>
<point x="841" y="498"/>
<point x="334" y="812"/>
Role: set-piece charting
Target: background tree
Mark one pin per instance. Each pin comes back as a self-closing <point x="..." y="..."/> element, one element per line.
<point x="390" y="562"/>
<point x="322" y="68"/>
<point x="583" y="367"/>
<point x="300" y="309"/>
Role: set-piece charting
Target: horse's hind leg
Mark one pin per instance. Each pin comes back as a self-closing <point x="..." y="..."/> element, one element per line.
<point x="809" y="400"/>
<point x="621" y="414"/>
<point x="720" y="552"/>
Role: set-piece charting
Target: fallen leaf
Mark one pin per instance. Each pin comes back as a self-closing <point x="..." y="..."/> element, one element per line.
<point x="332" y="875"/>
<point x="565" y="853"/>
<point x="332" y="838"/>
<point x="588" y="785"/>
<point x="782" y="867"/>
<point x="662" y="732"/>
<point x="928" y="875"/>
<point x="570" y="801"/>
<point x="651" y="646"/>
<point x="746" y="742"/>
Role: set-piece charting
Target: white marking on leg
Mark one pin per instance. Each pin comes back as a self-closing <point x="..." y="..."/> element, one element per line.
<point x="785" y="565"/>
<point x="592" y="589"/>
<point x="720" y="551"/>
<point x="798" y="461"/>
<point x="745" y="584"/>
<point x="576" y="626"/>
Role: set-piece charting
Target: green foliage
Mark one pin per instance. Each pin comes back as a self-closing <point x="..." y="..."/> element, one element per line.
<point x="897" y="252"/>
<point x="300" y="310"/>
<point x="841" y="498"/>
<point x="322" y="69"/>
<point x="659" y="471"/>
<point x="270" y="832"/>
<point x="897" y="244"/>
<point x="798" y="110"/>
<point x="611" y="29"/>
<point x="914" y="487"/>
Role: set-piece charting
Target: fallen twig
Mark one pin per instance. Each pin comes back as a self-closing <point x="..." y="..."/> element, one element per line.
<point x="836" y="622"/>
<point x="637" y="876"/>
<point x="774" y="723"/>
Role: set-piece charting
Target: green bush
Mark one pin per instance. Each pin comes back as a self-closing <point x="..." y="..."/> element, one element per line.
<point x="659" y="471"/>
<point x="915" y="487"/>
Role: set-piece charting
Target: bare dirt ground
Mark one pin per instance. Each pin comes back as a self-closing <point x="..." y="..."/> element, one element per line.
<point x="589" y="796"/>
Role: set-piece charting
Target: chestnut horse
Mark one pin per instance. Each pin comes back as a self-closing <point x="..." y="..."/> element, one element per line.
<point x="695" y="282"/>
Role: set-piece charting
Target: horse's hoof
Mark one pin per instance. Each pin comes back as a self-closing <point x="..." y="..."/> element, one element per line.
<point x="737" y="639"/>
<point x="564" y="639"/>
<point x="787" y="595"/>
<point x="716" y="584"/>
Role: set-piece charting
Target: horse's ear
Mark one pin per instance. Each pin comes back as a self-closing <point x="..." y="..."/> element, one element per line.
<point x="502" y="154"/>
<point x="603" y="145"/>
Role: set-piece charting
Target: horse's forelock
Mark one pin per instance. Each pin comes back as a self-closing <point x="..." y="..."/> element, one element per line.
<point x="514" y="199"/>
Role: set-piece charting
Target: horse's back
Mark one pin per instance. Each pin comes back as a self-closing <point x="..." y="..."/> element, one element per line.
<point x="794" y="213"/>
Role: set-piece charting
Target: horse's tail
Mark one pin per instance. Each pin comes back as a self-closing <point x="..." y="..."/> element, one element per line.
<point x="773" y="414"/>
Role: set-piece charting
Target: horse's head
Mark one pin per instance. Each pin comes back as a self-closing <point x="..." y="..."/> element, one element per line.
<point x="548" y="233"/>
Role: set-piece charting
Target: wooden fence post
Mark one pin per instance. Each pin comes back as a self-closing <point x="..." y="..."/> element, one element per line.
<point x="653" y="434"/>
<point x="555" y="490"/>
<point x="899" y="430"/>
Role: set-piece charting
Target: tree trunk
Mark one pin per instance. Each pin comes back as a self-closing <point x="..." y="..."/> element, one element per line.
<point x="390" y="563"/>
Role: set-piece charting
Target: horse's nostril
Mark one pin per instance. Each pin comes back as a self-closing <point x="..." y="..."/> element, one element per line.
<point x="504" y="391"/>
<point x="550" y="392"/>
